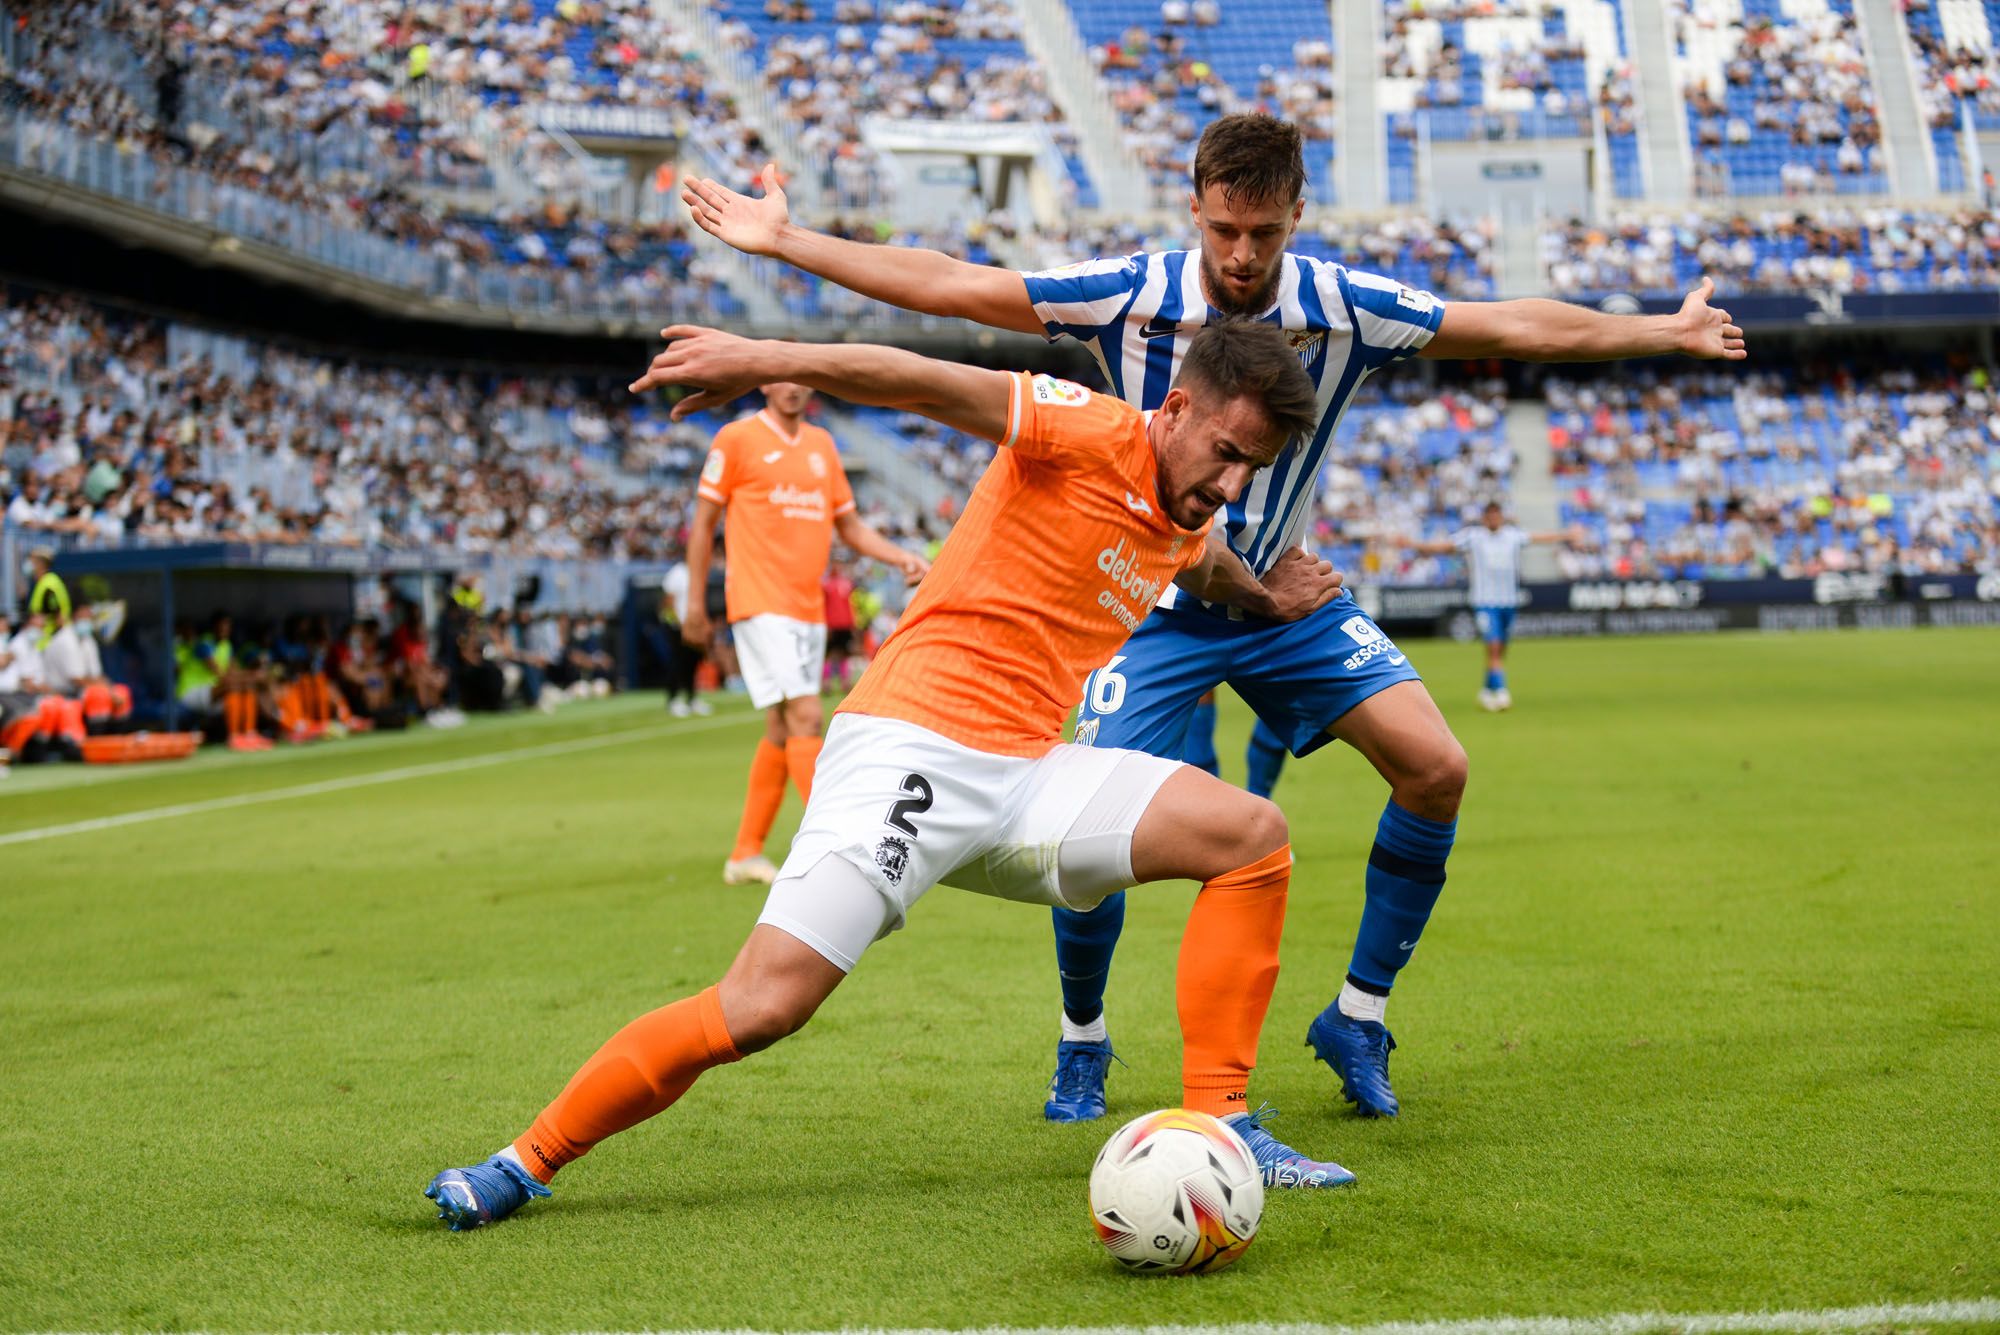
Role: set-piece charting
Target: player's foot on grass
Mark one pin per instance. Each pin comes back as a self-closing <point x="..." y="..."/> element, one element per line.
<point x="484" y="1193"/>
<point x="1489" y="701"/>
<point x="1358" y="1051"/>
<point x="1503" y="698"/>
<point x="757" y="870"/>
<point x="1283" y="1166"/>
<point x="1076" y="1094"/>
<point x="702" y="708"/>
<point x="680" y="709"/>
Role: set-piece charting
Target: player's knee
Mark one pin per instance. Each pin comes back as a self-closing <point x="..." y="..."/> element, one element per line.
<point x="1439" y="782"/>
<point x="758" y="1019"/>
<point x="1263" y="831"/>
<point x="803" y="716"/>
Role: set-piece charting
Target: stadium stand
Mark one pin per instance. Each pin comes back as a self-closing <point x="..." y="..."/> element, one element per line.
<point x="1877" y="249"/>
<point x="1501" y="69"/>
<point x="1957" y="72"/>
<point x="1792" y="473"/>
<point x="1779" y="98"/>
<point x="1173" y="67"/>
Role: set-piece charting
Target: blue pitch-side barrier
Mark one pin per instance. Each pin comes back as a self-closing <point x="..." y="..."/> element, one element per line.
<point x="1974" y="306"/>
<point x="1695" y="606"/>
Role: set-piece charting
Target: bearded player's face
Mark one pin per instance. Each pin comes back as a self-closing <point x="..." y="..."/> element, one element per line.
<point x="1242" y="248"/>
<point x="1212" y="448"/>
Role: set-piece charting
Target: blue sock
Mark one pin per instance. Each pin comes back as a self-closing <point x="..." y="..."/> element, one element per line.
<point x="1405" y="875"/>
<point x="1496" y="679"/>
<point x="1266" y="757"/>
<point x="1084" y="942"/>
<point x="1199" y="748"/>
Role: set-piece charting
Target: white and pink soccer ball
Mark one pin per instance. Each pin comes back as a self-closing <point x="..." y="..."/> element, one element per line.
<point x="1176" y="1193"/>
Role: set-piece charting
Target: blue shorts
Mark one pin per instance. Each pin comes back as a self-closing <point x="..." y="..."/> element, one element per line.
<point x="1300" y="676"/>
<point x="1496" y="624"/>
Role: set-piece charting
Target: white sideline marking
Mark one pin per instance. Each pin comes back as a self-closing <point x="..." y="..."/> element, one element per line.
<point x="424" y="771"/>
<point x="1624" y="1323"/>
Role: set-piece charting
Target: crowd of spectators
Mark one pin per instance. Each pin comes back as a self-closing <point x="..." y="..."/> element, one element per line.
<point x="1834" y="249"/>
<point x="324" y="112"/>
<point x="1793" y="106"/>
<point x="1725" y="474"/>
<point x="107" y="434"/>
<point x="1951" y="72"/>
<point x="1164" y="92"/>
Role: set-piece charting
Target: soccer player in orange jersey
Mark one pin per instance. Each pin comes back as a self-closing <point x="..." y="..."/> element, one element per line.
<point x="786" y="495"/>
<point x="946" y="764"/>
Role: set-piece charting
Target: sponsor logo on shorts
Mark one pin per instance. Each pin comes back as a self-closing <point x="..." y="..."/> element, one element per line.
<point x="892" y="855"/>
<point x="1086" y="732"/>
<point x="1374" y="644"/>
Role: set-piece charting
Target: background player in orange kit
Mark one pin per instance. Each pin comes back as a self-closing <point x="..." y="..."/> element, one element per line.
<point x="779" y="479"/>
<point x="946" y="763"/>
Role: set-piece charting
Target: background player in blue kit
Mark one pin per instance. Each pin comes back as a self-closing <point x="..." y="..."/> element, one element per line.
<point x="1492" y="552"/>
<point x="1264" y="757"/>
<point x="1333" y="674"/>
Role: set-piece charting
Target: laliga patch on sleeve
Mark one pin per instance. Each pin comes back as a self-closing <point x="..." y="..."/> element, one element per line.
<point x="1418" y="301"/>
<point x="1064" y="393"/>
<point x="711" y="472"/>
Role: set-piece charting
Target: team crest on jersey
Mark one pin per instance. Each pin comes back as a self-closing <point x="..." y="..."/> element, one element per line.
<point x="817" y="464"/>
<point x="1307" y="343"/>
<point x="892" y="855"/>
<point x="1065" y="393"/>
<point x="711" y="472"/>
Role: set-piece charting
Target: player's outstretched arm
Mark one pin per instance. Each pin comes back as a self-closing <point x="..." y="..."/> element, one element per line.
<point x="1535" y="329"/>
<point x="1297" y="586"/>
<point x="860" y="535"/>
<point x="723" y="366"/>
<point x="927" y="281"/>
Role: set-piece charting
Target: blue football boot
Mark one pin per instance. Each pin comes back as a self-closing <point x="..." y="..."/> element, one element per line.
<point x="484" y="1193"/>
<point x="1358" y="1051"/>
<point x="1283" y="1166"/>
<point x="1076" y="1093"/>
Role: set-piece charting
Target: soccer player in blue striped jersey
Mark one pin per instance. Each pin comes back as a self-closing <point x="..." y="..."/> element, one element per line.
<point x="1492" y="553"/>
<point x="1331" y="675"/>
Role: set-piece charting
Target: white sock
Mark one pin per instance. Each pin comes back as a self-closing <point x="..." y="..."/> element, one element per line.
<point x="1094" y="1032"/>
<point x="511" y="1153"/>
<point x="1358" y="1005"/>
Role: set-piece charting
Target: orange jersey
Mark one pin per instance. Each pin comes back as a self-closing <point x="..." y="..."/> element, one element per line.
<point x="782" y="495"/>
<point x="1063" y="549"/>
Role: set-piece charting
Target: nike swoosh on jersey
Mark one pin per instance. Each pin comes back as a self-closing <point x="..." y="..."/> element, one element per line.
<point x="1158" y="328"/>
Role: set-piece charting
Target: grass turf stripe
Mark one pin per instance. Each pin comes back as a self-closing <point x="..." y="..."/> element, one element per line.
<point x="431" y="769"/>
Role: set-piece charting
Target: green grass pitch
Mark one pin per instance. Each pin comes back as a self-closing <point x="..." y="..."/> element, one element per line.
<point x="1708" y="1020"/>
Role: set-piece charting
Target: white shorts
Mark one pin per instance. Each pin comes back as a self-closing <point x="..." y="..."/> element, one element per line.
<point x="781" y="658"/>
<point x="910" y="809"/>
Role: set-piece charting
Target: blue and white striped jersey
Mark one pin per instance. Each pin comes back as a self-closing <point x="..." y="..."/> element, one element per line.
<point x="1492" y="563"/>
<point x="1137" y="314"/>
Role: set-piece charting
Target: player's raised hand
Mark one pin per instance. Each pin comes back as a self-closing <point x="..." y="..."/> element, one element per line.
<point x="1300" y="584"/>
<point x="721" y="366"/>
<point x="1709" y="333"/>
<point x="750" y="225"/>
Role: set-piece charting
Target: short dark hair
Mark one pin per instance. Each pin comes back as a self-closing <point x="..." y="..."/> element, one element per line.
<point x="1248" y="357"/>
<point x="1253" y="157"/>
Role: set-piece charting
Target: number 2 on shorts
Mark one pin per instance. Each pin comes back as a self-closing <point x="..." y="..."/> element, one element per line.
<point x="916" y="804"/>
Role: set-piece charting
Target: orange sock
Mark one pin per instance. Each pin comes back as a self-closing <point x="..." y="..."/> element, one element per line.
<point x="1228" y="966"/>
<point x="761" y="803"/>
<point x="233" y="710"/>
<point x="801" y="758"/>
<point x="636" y="1075"/>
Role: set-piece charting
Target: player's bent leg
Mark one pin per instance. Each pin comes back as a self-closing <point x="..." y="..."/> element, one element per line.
<point x="1404" y="736"/>
<point x="812" y="932"/>
<point x="764" y="794"/>
<point x="1237" y="845"/>
<point x="1145" y="699"/>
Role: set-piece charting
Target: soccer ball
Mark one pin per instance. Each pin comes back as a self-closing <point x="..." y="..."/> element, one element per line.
<point x="1176" y="1193"/>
